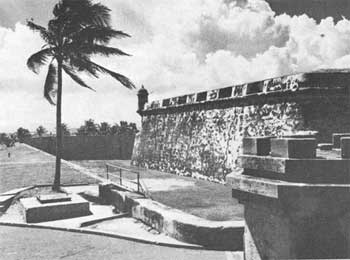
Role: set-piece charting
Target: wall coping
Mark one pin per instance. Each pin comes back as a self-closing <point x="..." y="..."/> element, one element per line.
<point x="298" y="86"/>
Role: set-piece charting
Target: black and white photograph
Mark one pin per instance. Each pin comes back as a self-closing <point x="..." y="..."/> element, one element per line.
<point x="174" y="129"/>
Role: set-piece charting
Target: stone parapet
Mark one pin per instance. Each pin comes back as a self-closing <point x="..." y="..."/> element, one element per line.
<point x="295" y="208"/>
<point x="289" y="86"/>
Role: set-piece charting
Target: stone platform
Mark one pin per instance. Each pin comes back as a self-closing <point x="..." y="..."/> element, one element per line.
<point x="35" y="211"/>
<point x="296" y="200"/>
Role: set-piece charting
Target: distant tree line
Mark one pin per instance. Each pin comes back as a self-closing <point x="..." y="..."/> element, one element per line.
<point x="89" y="128"/>
<point x="7" y="139"/>
<point x="104" y="128"/>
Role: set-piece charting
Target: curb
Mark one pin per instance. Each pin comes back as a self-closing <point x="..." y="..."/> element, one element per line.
<point x="95" y="221"/>
<point x="103" y="233"/>
<point x="185" y="227"/>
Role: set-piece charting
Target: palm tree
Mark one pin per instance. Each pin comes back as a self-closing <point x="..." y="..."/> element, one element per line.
<point x="104" y="128"/>
<point x="88" y="128"/>
<point x="65" y="130"/>
<point x="79" y="29"/>
<point x="41" y="131"/>
<point x="23" y="133"/>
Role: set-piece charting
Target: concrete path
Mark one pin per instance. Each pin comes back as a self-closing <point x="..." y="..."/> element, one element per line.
<point x="31" y="243"/>
<point x="103" y="221"/>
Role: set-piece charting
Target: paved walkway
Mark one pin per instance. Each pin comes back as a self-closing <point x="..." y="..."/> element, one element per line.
<point x="31" y="243"/>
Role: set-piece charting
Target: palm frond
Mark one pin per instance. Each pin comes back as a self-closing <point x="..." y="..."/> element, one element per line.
<point x="102" y="50"/>
<point x="44" y="33"/>
<point x="100" y="15"/>
<point x="81" y="64"/>
<point x="121" y="78"/>
<point x="50" y="82"/>
<point x="58" y="9"/>
<point x="98" y="34"/>
<point x="35" y="27"/>
<point x="39" y="59"/>
<point x="75" y="77"/>
<point x="79" y="13"/>
<point x="81" y="29"/>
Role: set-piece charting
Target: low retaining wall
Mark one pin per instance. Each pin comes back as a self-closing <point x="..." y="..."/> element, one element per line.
<point x="220" y="235"/>
<point x="88" y="147"/>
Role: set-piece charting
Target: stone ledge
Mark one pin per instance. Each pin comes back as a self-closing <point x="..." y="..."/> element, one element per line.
<point x="221" y="235"/>
<point x="277" y="188"/>
<point x="288" y="85"/>
<point x="337" y="139"/>
<point x="293" y="147"/>
<point x="316" y="170"/>
<point x="304" y="95"/>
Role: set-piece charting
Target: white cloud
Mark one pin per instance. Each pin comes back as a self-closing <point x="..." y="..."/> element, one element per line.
<point x="206" y="44"/>
<point x="179" y="46"/>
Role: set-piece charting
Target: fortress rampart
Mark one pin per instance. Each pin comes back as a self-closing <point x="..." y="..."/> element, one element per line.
<point x="201" y="133"/>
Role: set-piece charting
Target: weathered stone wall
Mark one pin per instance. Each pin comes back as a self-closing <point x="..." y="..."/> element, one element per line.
<point x="183" y="136"/>
<point x="209" y="141"/>
<point x="88" y="147"/>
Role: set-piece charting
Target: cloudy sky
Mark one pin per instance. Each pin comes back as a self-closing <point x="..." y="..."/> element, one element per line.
<point x="178" y="46"/>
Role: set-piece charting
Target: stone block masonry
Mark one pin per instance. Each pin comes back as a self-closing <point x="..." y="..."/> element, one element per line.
<point x="293" y="147"/>
<point x="295" y="208"/>
<point x="202" y="133"/>
<point x="345" y="147"/>
<point x="256" y="146"/>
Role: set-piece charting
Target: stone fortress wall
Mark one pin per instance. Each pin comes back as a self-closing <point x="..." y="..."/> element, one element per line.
<point x="88" y="147"/>
<point x="201" y="134"/>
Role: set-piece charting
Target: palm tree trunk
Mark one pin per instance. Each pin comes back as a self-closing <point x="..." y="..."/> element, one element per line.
<point x="57" y="181"/>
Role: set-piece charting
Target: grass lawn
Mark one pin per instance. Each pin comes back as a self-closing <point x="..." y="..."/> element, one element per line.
<point x="21" y="154"/>
<point x="201" y="198"/>
<point x="27" y="167"/>
<point x="208" y="200"/>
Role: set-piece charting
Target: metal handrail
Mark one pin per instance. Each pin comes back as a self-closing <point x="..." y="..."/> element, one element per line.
<point x="141" y="189"/>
